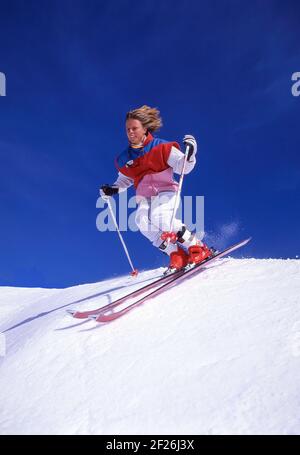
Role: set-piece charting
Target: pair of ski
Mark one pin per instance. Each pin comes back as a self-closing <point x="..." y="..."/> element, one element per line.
<point x="113" y="310"/>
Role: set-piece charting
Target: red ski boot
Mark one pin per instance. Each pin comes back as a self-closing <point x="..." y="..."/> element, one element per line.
<point x="178" y="260"/>
<point x="198" y="253"/>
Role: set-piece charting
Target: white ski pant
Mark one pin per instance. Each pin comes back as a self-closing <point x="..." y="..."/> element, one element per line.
<point x="154" y="215"/>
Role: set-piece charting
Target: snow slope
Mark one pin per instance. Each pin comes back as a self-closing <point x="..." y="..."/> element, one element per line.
<point x="217" y="354"/>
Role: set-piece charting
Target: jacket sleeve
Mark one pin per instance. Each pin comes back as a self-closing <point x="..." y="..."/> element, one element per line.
<point x="123" y="182"/>
<point x="175" y="161"/>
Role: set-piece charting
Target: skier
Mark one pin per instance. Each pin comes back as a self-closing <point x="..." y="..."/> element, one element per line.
<point x="148" y="163"/>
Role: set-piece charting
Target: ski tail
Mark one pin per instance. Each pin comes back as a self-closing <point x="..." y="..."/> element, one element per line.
<point x="85" y="314"/>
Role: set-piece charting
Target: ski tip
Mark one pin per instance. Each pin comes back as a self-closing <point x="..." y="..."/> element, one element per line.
<point x="237" y="245"/>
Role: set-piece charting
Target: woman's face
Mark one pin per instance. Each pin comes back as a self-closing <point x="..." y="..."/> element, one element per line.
<point x="135" y="131"/>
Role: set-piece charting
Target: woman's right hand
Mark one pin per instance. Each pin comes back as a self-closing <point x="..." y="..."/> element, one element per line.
<point x="108" y="190"/>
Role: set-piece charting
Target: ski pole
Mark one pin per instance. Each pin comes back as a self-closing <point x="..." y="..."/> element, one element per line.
<point x="171" y="236"/>
<point x="134" y="271"/>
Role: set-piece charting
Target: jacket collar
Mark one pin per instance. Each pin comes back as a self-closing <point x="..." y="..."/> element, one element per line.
<point x="148" y="139"/>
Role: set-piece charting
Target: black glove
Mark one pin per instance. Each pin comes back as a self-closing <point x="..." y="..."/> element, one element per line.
<point x="108" y="190"/>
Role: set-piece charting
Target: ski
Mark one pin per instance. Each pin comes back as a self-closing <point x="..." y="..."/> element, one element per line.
<point x="106" y="314"/>
<point x="85" y="314"/>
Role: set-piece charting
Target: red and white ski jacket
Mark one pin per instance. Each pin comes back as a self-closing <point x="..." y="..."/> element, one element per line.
<point x="150" y="167"/>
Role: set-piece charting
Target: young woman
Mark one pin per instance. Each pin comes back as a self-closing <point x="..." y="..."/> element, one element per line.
<point x="148" y="163"/>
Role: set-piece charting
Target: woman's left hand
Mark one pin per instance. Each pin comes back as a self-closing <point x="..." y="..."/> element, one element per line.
<point x="190" y="141"/>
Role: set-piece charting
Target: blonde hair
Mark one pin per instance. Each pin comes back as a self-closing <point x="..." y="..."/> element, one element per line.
<point x="148" y="116"/>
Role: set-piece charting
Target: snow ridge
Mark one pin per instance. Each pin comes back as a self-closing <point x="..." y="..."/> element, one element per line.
<point x="217" y="354"/>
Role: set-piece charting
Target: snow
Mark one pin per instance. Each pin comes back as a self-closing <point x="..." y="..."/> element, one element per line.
<point x="217" y="354"/>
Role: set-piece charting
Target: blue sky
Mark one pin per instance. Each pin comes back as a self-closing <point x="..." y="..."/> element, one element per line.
<point x="220" y="70"/>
